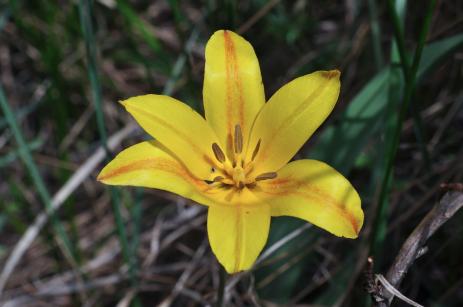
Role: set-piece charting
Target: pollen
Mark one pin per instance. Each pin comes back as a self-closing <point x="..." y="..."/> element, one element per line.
<point x="218" y="153"/>
<point x="266" y="176"/>
<point x="235" y="170"/>
<point x="256" y="150"/>
<point x="238" y="140"/>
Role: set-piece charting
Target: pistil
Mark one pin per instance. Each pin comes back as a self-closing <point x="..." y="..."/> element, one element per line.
<point x="235" y="171"/>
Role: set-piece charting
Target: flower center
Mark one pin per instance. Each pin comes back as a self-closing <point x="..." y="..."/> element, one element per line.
<point x="239" y="177"/>
<point x="234" y="171"/>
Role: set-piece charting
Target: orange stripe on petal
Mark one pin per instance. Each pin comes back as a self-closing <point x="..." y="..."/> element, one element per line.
<point x="233" y="92"/>
<point x="237" y="234"/>
<point x="290" y="117"/>
<point x="178" y="127"/>
<point x="313" y="191"/>
<point x="192" y="146"/>
<point x="159" y="164"/>
<point x="309" y="193"/>
<point x="235" y="99"/>
<point x="148" y="164"/>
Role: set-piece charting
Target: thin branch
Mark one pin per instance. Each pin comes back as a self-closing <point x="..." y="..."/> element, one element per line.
<point x="58" y="199"/>
<point x="82" y="173"/>
<point x="257" y="16"/>
<point x="410" y="250"/>
<point x="385" y="283"/>
<point x="265" y="255"/>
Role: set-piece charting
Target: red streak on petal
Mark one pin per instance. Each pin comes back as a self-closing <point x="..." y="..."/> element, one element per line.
<point x="235" y="100"/>
<point x="289" y="186"/>
<point x="158" y="164"/>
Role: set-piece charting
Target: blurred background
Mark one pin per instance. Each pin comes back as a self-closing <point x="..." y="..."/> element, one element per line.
<point x="396" y="133"/>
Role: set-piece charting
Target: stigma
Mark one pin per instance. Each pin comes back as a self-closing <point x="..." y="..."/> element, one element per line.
<point x="234" y="170"/>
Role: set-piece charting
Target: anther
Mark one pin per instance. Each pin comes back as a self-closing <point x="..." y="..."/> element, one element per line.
<point x="266" y="176"/>
<point x="218" y="179"/>
<point x="256" y="150"/>
<point x="218" y="153"/>
<point x="251" y="185"/>
<point x="238" y="139"/>
<point x="241" y="185"/>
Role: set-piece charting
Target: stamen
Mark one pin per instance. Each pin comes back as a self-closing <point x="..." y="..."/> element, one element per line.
<point x="256" y="150"/>
<point x="218" y="179"/>
<point x="218" y="153"/>
<point x="251" y="185"/>
<point x="266" y="176"/>
<point x="238" y="139"/>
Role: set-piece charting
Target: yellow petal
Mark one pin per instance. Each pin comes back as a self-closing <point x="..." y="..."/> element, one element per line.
<point x="233" y="92"/>
<point x="148" y="164"/>
<point x="290" y="117"/>
<point x="178" y="127"/>
<point x="237" y="234"/>
<point x="151" y="165"/>
<point x="313" y="191"/>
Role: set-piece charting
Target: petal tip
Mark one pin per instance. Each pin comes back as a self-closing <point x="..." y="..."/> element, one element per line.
<point x="357" y="227"/>
<point x="331" y="74"/>
<point x="353" y="236"/>
<point x="233" y="269"/>
<point x="219" y="33"/>
<point x="123" y="103"/>
<point x="100" y="177"/>
<point x="230" y="270"/>
<point x="104" y="175"/>
<point x="226" y="34"/>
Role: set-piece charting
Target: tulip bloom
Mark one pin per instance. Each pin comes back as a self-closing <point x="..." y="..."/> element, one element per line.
<point x="235" y="161"/>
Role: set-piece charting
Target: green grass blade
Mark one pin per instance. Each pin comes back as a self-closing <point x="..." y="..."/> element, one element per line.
<point x="340" y="144"/>
<point x="410" y="82"/>
<point x="376" y="34"/>
<point x="422" y="38"/>
<point x="139" y="26"/>
<point x="436" y="51"/>
<point x="26" y="157"/>
<point x="23" y="112"/>
<point x="11" y="156"/>
<point x="407" y="68"/>
<point x="90" y="47"/>
<point x="85" y="11"/>
<point x="399" y="37"/>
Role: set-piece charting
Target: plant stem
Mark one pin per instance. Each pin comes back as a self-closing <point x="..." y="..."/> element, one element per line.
<point x="409" y="72"/>
<point x="221" y="289"/>
<point x="85" y="11"/>
<point x="375" y="34"/>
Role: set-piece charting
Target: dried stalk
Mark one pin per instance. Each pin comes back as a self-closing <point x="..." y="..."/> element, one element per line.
<point x="410" y="250"/>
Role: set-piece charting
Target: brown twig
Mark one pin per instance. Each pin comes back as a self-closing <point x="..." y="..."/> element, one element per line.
<point x="410" y="250"/>
<point x="455" y="186"/>
<point x="261" y="13"/>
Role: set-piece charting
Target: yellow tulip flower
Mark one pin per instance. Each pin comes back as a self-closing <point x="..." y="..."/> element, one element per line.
<point x="235" y="161"/>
